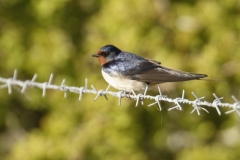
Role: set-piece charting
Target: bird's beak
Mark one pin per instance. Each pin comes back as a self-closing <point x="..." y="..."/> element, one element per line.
<point x="95" y="55"/>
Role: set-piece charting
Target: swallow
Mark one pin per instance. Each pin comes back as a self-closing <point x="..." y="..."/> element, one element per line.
<point x="126" y="71"/>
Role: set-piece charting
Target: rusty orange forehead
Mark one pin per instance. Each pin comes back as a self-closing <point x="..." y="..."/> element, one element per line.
<point x="99" y="52"/>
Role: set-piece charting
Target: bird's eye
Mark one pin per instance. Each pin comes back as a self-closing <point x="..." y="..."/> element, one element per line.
<point x="106" y="53"/>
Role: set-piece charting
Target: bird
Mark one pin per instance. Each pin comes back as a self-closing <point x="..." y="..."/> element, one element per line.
<point x="129" y="72"/>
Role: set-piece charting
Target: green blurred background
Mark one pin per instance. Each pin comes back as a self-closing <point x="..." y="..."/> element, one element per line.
<point x="59" y="36"/>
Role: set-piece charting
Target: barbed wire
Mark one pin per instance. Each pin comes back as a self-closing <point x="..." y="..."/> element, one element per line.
<point x="198" y="104"/>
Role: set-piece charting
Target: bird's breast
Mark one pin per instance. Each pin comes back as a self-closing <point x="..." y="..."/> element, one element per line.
<point x="123" y="83"/>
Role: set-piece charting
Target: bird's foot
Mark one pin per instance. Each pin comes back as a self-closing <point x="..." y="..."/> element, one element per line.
<point x="129" y="95"/>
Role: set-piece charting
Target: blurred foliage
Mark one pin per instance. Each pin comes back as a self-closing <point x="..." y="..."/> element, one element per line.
<point x="59" y="37"/>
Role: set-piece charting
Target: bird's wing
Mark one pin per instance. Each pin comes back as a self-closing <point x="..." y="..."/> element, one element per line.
<point x="140" y="67"/>
<point x="162" y="74"/>
<point x="148" y="71"/>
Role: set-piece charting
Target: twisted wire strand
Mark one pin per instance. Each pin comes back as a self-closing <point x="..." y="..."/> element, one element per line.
<point x="198" y="104"/>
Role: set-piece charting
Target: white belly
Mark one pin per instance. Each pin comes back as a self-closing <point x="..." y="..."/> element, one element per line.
<point x="124" y="84"/>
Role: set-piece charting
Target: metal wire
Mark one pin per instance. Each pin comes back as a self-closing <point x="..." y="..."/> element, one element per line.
<point x="198" y="104"/>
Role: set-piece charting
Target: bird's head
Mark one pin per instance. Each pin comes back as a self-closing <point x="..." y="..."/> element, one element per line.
<point x="107" y="53"/>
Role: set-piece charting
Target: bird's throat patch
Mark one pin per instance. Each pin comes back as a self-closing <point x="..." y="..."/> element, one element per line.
<point x="102" y="60"/>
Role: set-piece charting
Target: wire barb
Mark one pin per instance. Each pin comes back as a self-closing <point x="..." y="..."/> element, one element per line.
<point x="196" y="106"/>
<point x="216" y="102"/>
<point x="120" y="97"/>
<point x="63" y="88"/>
<point x="15" y="74"/>
<point x="101" y="92"/>
<point x="50" y="79"/>
<point x="24" y="86"/>
<point x="93" y="88"/>
<point x="44" y="89"/>
<point x="176" y="101"/>
<point x="157" y="99"/>
<point x="138" y="98"/>
<point x="80" y="93"/>
<point x="160" y="92"/>
<point x="9" y="85"/>
<point x="236" y="106"/>
<point x="34" y="78"/>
